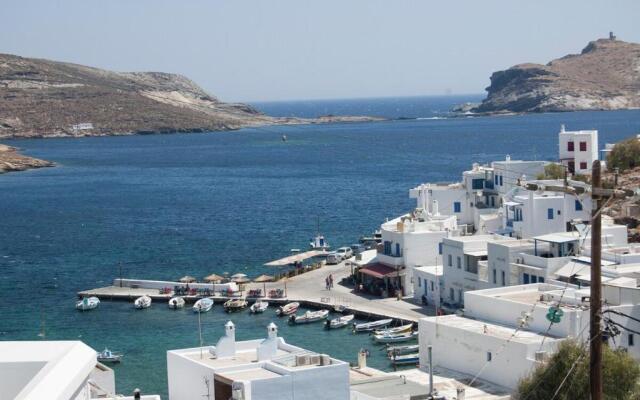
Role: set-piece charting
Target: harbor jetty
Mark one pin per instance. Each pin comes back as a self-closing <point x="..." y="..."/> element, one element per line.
<point x="308" y="289"/>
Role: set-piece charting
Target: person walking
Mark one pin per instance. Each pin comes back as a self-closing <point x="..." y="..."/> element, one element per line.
<point x="326" y="283"/>
<point x="330" y="281"/>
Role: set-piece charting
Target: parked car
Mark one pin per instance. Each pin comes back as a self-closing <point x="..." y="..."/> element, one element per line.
<point x="357" y="248"/>
<point x="333" y="258"/>
<point x="345" y="252"/>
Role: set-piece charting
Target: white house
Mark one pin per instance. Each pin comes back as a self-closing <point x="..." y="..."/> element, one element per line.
<point x="60" y="370"/>
<point x="508" y="173"/>
<point x="578" y="150"/>
<point x="262" y="369"/>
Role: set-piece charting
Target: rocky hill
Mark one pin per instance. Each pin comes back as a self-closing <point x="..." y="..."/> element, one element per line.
<point x="42" y="98"/>
<point x="604" y="76"/>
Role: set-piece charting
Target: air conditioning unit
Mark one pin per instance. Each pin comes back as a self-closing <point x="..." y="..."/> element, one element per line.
<point x="302" y="360"/>
<point x="314" y="359"/>
<point x="541" y="356"/>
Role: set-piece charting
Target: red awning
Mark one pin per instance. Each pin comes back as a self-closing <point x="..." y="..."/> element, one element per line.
<point x="378" y="270"/>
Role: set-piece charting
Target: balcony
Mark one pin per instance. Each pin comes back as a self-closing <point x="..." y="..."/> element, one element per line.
<point x="391" y="260"/>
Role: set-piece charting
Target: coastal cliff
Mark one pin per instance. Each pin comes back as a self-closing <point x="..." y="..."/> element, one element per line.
<point x="11" y="160"/>
<point x="604" y="76"/>
<point x="43" y="98"/>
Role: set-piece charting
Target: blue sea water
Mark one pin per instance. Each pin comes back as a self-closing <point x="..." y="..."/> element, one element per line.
<point x="169" y="205"/>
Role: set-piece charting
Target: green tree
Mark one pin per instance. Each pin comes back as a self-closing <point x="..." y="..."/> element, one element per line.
<point x="620" y="374"/>
<point x="625" y="155"/>
<point x="552" y="171"/>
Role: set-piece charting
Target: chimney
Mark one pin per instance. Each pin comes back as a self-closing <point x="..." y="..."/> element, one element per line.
<point x="362" y="359"/>
<point x="268" y="348"/>
<point x="435" y="208"/>
<point x="508" y="158"/>
<point x="226" y="346"/>
<point x="562" y="128"/>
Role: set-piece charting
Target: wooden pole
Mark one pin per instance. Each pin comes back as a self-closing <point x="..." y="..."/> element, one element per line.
<point x="595" y="364"/>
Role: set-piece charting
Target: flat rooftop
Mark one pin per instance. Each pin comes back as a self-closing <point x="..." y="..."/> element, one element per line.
<point x="250" y="374"/>
<point x="490" y="329"/>
<point x="242" y="357"/>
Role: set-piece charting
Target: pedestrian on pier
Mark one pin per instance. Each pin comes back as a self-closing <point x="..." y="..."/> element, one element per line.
<point x="330" y="281"/>
<point x="326" y="283"/>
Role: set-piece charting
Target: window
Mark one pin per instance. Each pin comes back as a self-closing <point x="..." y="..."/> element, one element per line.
<point x="495" y="179"/>
<point x="583" y="165"/>
<point x="525" y="278"/>
<point x="432" y="289"/>
<point x="569" y="146"/>
<point x="398" y="249"/>
<point x="440" y="248"/>
<point x="449" y="260"/>
<point x="540" y="279"/>
<point x="459" y="296"/>
<point x="458" y="262"/>
<point x="387" y="248"/>
<point x="425" y="286"/>
<point x="630" y="339"/>
<point x="419" y="282"/>
<point x="550" y="213"/>
<point x="456" y="207"/>
<point x="500" y="180"/>
<point x="452" y="295"/>
<point x="488" y="356"/>
<point x="477" y="184"/>
<point x="495" y="279"/>
<point x="583" y="146"/>
<point x="578" y="205"/>
<point x="534" y="279"/>
<point x="503" y="279"/>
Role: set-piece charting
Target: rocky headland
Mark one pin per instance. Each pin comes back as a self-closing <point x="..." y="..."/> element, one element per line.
<point x="11" y="160"/>
<point x="604" y="76"/>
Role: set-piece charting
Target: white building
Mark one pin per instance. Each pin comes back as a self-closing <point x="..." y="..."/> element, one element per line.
<point x="60" y="370"/>
<point x="508" y="173"/>
<point x="578" y="150"/>
<point x="255" y="370"/>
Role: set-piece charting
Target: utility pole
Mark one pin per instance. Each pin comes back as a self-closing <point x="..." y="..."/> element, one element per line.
<point x="595" y="337"/>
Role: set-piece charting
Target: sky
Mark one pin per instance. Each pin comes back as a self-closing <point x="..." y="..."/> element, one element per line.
<point x="325" y="49"/>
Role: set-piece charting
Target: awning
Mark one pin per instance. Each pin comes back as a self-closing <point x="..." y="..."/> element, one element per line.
<point x="379" y="271"/>
<point x="476" y="253"/>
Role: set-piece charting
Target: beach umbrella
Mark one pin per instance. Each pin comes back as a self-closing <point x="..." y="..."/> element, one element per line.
<point x="241" y="279"/>
<point x="187" y="279"/>
<point x="213" y="278"/>
<point x="264" y="279"/>
<point x="239" y="275"/>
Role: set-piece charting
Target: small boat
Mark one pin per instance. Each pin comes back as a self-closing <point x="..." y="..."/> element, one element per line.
<point x="176" y="302"/>
<point x="405" y="359"/>
<point x="235" y="305"/>
<point x="259" y="307"/>
<point x="402" y="350"/>
<point x="394" y="331"/>
<point x="370" y="326"/>
<point x="309" y="316"/>
<point x="87" y="303"/>
<point x="202" y="305"/>
<point x="339" y="308"/>
<point x="405" y="337"/>
<point x="319" y="243"/>
<point x="339" y="322"/>
<point x="107" y="356"/>
<point x="288" y="309"/>
<point x="284" y="138"/>
<point x="142" y="302"/>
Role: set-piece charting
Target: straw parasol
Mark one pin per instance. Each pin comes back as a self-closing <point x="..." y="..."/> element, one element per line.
<point x="213" y="278"/>
<point x="264" y="279"/>
<point x="187" y="279"/>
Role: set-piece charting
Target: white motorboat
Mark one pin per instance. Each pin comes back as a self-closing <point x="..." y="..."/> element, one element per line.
<point x="259" y="307"/>
<point x="142" y="302"/>
<point x="405" y="359"/>
<point x="339" y="322"/>
<point x="288" y="309"/>
<point x="88" y="303"/>
<point x="203" y="305"/>
<point x="234" y="305"/>
<point x="370" y="326"/>
<point x="309" y="316"/>
<point x="402" y="350"/>
<point x="394" y="331"/>
<point x="319" y="243"/>
<point x="107" y="356"/>
<point x="176" y="302"/>
<point x="405" y="337"/>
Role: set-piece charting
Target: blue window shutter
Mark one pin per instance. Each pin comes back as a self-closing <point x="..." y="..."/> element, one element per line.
<point x="456" y="207"/>
<point x="550" y="213"/>
<point x="440" y="248"/>
<point x="500" y="180"/>
<point x="525" y="278"/>
<point x="578" y="205"/>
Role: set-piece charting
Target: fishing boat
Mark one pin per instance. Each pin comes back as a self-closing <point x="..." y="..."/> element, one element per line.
<point x="394" y="331"/>
<point x="87" y="303"/>
<point x="402" y="350"/>
<point x="318" y="242"/>
<point x="259" y="307"/>
<point x="405" y="337"/>
<point x="203" y="305"/>
<point x="405" y="359"/>
<point x="309" y="316"/>
<point x="370" y="326"/>
<point x="288" y="309"/>
<point x="107" y="356"/>
<point x="235" y="305"/>
<point x="142" y="302"/>
<point x="339" y="322"/>
<point x="176" y="302"/>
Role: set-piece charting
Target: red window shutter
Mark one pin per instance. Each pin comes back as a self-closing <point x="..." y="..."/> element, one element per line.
<point x="569" y="146"/>
<point x="583" y="146"/>
<point x="583" y="165"/>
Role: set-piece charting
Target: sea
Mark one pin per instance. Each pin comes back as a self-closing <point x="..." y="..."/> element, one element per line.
<point x="164" y="206"/>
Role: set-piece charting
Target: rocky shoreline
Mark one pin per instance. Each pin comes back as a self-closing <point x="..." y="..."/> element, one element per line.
<point x="11" y="160"/>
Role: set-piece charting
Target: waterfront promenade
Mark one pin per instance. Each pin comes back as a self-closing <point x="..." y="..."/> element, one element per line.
<point x="308" y="289"/>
